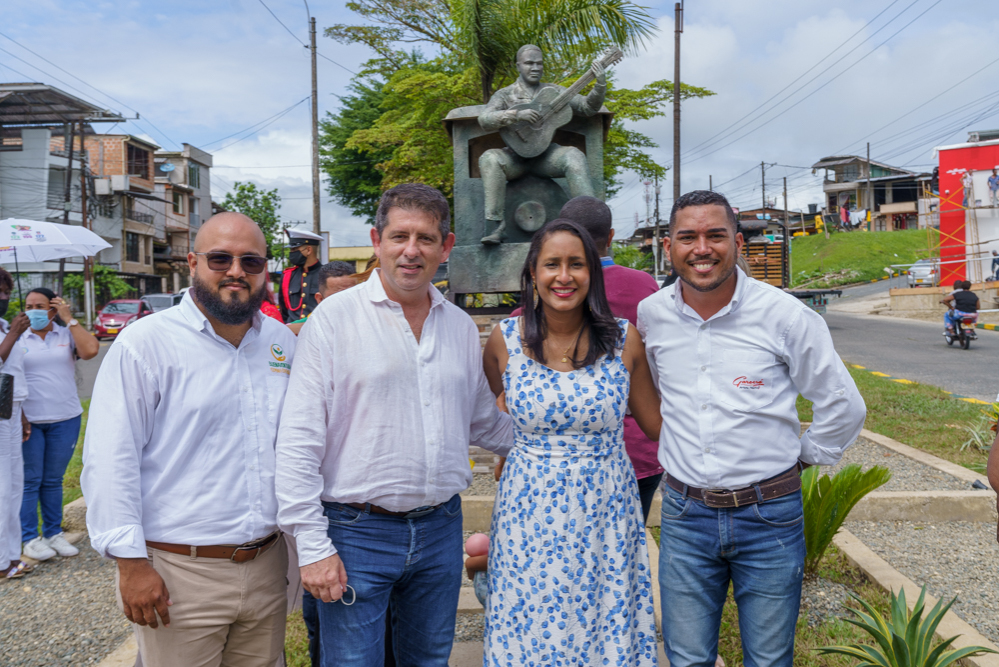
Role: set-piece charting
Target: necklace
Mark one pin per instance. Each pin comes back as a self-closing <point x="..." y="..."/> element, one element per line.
<point x="565" y="353"/>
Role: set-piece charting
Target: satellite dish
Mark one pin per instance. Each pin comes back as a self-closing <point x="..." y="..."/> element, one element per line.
<point x="167" y="167"/>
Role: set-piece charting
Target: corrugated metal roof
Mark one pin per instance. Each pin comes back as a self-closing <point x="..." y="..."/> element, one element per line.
<point x="40" y="104"/>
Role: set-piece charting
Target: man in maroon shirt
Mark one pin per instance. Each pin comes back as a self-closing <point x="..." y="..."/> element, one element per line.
<point x="625" y="288"/>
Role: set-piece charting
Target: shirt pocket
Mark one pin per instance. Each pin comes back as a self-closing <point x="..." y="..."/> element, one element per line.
<point x="743" y="379"/>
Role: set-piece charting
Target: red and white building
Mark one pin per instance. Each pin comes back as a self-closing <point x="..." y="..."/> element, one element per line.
<point x="969" y="225"/>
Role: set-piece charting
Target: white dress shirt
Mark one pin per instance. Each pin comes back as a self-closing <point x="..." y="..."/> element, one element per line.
<point x="729" y="385"/>
<point x="180" y="438"/>
<point x="14" y="365"/>
<point x="50" y="373"/>
<point x="375" y="416"/>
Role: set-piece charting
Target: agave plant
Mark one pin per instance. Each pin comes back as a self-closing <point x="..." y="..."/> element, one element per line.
<point x="905" y="641"/>
<point x="982" y="431"/>
<point x="828" y="501"/>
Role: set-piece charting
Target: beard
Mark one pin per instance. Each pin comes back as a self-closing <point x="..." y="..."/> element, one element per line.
<point x="230" y="312"/>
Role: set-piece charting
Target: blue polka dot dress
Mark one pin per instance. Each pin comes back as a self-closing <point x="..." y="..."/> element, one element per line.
<point x="569" y="579"/>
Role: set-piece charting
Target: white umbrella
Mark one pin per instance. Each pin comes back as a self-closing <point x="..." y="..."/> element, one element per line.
<point x="35" y="241"/>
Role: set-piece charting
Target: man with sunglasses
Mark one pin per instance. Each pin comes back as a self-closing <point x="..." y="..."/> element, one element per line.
<point x="300" y="281"/>
<point x="179" y="462"/>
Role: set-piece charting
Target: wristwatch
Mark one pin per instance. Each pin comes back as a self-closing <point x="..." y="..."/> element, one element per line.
<point x="72" y="323"/>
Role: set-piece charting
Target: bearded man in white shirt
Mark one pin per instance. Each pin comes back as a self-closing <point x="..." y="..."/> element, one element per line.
<point x="179" y="463"/>
<point x="386" y="396"/>
<point x="730" y="355"/>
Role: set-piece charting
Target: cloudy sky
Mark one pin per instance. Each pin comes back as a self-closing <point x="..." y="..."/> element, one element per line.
<point x="796" y="80"/>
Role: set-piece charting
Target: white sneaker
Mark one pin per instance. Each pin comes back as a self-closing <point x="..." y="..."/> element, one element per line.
<point x="38" y="549"/>
<point x="61" y="546"/>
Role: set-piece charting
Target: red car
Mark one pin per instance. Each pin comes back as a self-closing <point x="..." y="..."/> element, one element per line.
<point x="118" y="314"/>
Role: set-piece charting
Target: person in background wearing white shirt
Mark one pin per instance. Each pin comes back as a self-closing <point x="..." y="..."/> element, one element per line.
<point x="178" y="466"/>
<point x="13" y="432"/>
<point x="730" y="355"/>
<point x="53" y="408"/>
<point x="386" y="396"/>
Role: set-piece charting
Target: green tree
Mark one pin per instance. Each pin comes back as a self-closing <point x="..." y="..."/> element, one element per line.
<point x="261" y="206"/>
<point x="354" y="180"/>
<point x="632" y="257"/>
<point x="107" y="285"/>
<point x="485" y="34"/>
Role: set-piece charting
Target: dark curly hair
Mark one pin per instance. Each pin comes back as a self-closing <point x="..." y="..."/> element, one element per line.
<point x="604" y="332"/>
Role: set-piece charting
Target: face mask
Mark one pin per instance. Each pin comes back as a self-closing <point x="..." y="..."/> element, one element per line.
<point x="4" y="303"/>
<point x="39" y="319"/>
<point x="296" y="258"/>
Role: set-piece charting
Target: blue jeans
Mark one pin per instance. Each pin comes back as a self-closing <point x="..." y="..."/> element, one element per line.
<point x="760" y="549"/>
<point x="46" y="454"/>
<point x="310" y="614"/>
<point x="414" y="565"/>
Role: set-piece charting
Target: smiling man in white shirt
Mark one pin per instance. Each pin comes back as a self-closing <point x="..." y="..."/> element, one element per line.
<point x="386" y="396"/>
<point x="179" y="462"/>
<point x="730" y="355"/>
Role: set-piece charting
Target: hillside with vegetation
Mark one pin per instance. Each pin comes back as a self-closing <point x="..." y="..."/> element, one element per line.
<point x="846" y="258"/>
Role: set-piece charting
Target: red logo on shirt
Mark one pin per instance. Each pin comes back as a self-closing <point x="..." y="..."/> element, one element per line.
<point x="742" y="382"/>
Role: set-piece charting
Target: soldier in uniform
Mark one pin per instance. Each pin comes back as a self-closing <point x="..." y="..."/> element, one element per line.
<point x="300" y="281"/>
<point x="499" y="165"/>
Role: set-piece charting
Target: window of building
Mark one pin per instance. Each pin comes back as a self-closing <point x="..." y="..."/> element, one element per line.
<point x="131" y="247"/>
<point x="178" y="203"/>
<point x="138" y="162"/>
<point x="194" y="176"/>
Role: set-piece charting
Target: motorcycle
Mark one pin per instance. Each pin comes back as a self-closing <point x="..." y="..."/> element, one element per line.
<point x="964" y="331"/>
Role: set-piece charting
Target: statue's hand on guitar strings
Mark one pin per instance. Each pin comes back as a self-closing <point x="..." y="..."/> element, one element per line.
<point x="600" y="72"/>
<point x="531" y="116"/>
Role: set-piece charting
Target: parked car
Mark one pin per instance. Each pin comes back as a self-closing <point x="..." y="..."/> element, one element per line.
<point x="118" y="314"/>
<point x="924" y="272"/>
<point x="158" y="302"/>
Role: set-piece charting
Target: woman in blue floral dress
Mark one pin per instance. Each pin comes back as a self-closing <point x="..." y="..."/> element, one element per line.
<point x="569" y="579"/>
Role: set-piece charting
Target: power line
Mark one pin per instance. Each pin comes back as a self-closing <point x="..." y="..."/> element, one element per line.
<point x="245" y="129"/>
<point x="269" y="11"/>
<point x="275" y="119"/>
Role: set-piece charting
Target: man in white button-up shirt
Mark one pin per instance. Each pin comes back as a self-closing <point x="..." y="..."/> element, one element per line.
<point x="179" y="462"/>
<point x="386" y="396"/>
<point x="730" y="355"/>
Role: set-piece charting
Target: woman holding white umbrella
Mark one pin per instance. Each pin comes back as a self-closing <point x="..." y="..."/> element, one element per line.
<point x="53" y="408"/>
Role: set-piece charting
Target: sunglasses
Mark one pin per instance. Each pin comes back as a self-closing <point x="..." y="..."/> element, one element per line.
<point x="221" y="261"/>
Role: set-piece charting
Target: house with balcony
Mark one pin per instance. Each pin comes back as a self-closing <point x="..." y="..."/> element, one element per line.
<point x="183" y="182"/>
<point x="891" y="193"/>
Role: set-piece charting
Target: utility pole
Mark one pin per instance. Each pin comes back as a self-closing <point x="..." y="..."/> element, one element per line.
<point x="315" y="130"/>
<point x="710" y="184"/>
<point x="763" y="177"/>
<point x="677" y="29"/>
<point x="67" y="204"/>
<point x="870" y="194"/>
<point x="88" y="297"/>
<point x="659" y="248"/>
<point x="787" y="240"/>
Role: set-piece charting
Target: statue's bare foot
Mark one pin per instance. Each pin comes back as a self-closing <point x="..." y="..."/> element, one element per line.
<point x="496" y="237"/>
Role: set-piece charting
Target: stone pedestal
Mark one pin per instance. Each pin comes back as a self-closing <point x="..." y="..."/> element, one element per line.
<point x="530" y="201"/>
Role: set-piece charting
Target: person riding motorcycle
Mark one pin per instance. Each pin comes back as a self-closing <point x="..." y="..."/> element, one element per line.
<point x="962" y="303"/>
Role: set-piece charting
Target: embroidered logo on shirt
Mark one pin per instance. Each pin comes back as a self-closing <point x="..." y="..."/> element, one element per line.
<point x="277" y="352"/>
<point x="279" y="366"/>
<point x="742" y="382"/>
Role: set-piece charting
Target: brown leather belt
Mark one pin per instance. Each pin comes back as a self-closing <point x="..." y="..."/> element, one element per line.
<point x="240" y="553"/>
<point x="375" y="509"/>
<point x="783" y="484"/>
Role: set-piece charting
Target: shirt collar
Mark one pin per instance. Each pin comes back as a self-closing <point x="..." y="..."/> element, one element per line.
<point x="376" y="291"/>
<point x="741" y="282"/>
<point x="606" y="261"/>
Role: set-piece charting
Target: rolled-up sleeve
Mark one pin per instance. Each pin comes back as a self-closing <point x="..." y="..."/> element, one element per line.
<point x="118" y="427"/>
<point x="821" y="376"/>
<point x="301" y="447"/>
<point x="491" y="428"/>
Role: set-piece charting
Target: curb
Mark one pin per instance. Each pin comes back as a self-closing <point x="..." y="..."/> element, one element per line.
<point x="926" y="458"/>
<point x="124" y="655"/>
<point x="884" y="575"/>
<point x="988" y="327"/>
<point x="966" y="399"/>
<point x="926" y="506"/>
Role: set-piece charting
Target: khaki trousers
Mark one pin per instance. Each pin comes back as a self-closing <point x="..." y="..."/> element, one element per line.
<point x="224" y="614"/>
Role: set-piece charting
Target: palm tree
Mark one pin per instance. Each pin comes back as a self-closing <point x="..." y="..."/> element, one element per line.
<point x="569" y="32"/>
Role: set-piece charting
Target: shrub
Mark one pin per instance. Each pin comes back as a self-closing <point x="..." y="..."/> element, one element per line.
<point x="828" y="501"/>
<point x="907" y="640"/>
<point x="983" y="430"/>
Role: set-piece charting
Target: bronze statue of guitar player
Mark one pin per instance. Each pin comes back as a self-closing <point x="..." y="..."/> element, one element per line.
<point x="527" y="113"/>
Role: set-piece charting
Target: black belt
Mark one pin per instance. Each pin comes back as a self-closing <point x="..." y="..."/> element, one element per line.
<point x="783" y="484"/>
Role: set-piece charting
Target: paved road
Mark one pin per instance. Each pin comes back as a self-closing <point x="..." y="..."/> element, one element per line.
<point x="86" y="372"/>
<point x="916" y="350"/>
<point x="868" y="289"/>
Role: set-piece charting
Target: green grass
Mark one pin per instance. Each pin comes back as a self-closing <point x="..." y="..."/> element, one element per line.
<point x="296" y="642"/>
<point x="918" y="415"/>
<point x="71" y="482"/>
<point x="855" y="256"/>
